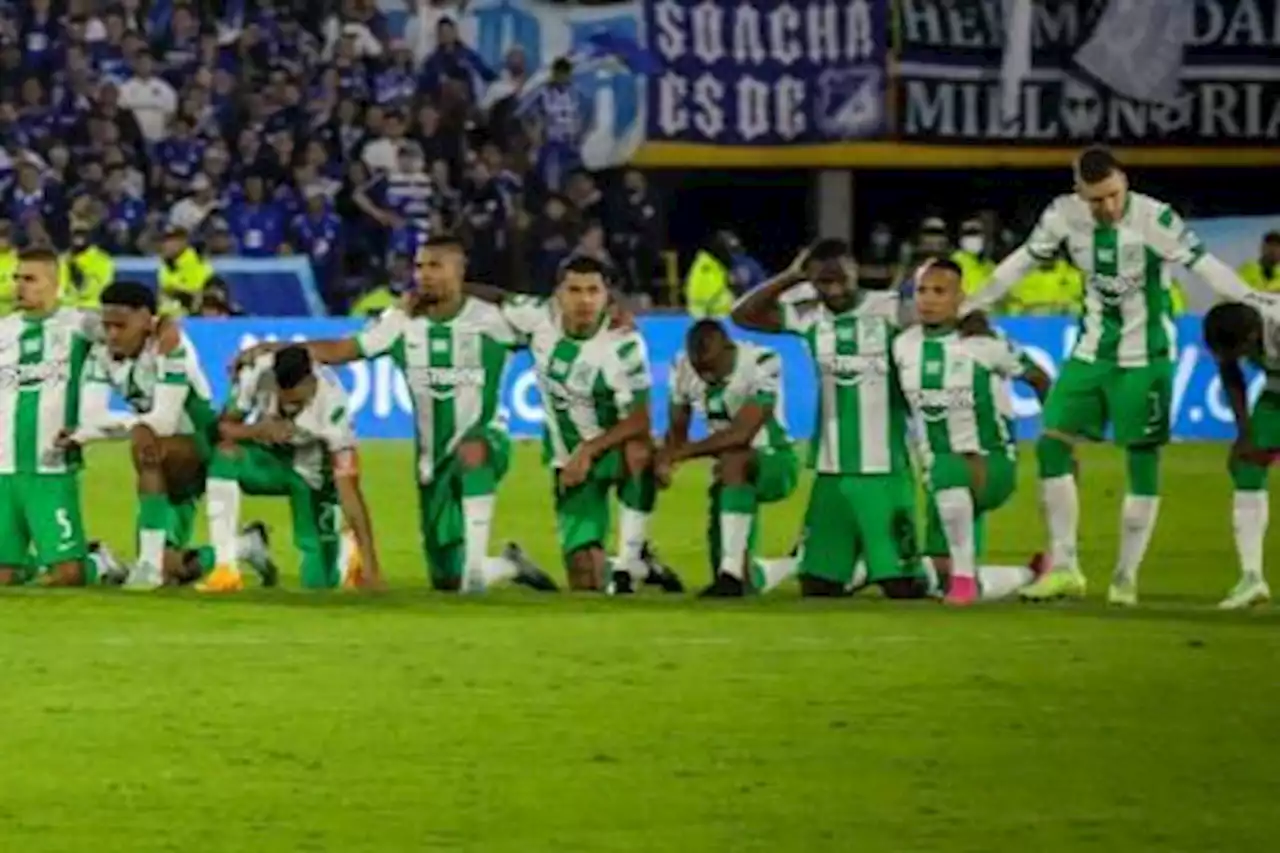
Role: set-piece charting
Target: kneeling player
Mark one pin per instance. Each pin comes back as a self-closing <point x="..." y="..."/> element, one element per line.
<point x="287" y="432"/>
<point x="955" y="386"/>
<point x="1232" y="332"/>
<point x="172" y="435"/>
<point x="736" y="385"/>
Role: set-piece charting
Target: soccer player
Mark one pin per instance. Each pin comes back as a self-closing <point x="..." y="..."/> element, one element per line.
<point x="172" y="434"/>
<point x="1234" y="331"/>
<point x="863" y="499"/>
<point x="44" y="351"/>
<point x="286" y="431"/>
<point x="595" y="382"/>
<point x="737" y="387"/>
<point x="1121" y="369"/>
<point x="956" y="388"/>
<point x="452" y="350"/>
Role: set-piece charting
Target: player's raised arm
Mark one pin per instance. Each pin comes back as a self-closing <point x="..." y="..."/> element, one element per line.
<point x="1045" y="241"/>
<point x="759" y="309"/>
<point x="1173" y="240"/>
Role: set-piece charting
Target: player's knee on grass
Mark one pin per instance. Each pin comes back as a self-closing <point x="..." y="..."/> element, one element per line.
<point x="585" y="569"/>
<point x="446" y="583"/>
<point x="816" y="587"/>
<point x="733" y="468"/>
<point x="1054" y="456"/>
<point x="69" y="573"/>
<point x="904" y="588"/>
<point x="11" y="576"/>
<point x="144" y="446"/>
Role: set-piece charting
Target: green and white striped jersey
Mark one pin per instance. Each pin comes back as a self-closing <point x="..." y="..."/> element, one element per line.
<point x="957" y="388"/>
<point x="42" y="363"/>
<point x="1270" y="362"/>
<point x="169" y="392"/>
<point x="1128" y="311"/>
<point x="321" y="429"/>
<point x="453" y="369"/>
<point x="756" y="378"/>
<point x="861" y="425"/>
<point x="587" y="384"/>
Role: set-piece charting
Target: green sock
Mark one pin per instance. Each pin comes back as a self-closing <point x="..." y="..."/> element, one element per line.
<point x="639" y="492"/>
<point x="477" y="482"/>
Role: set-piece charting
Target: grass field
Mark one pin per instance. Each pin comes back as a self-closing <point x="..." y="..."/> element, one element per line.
<point x="337" y="723"/>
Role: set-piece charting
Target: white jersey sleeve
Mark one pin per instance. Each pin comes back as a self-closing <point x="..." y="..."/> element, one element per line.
<point x="1051" y="230"/>
<point x="627" y="372"/>
<point x="682" y="382"/>
<point x="1169" y="236"/>
<point x="766" y="378"/>
<point x="493" y="323"/>
<point x="799" y="318"/>
<point x="526" y="314"/>
<point x="380" y="336"/>
<point x="247" y="388"/>
<point x="97" y="422"/>
<point x="336" y="429"/>
<point x="999" y="355"/>
<point x="176" y="376"/>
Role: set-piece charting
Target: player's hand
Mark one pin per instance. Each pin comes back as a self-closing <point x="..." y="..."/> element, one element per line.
<point x="168" y="334"/>
<point x="1243" y="450"/>
<point x="65" y="440"/>
<point x="576" y="470"/>
<point x="663" y="469"/>
<point x="621" y="317"/>
<point x="976" y="324"/>
<point x="796" y="269"/>
<point x="275" y="431"/>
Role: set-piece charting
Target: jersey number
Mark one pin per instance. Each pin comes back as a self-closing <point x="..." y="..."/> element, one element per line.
<point x="66" y="530"/>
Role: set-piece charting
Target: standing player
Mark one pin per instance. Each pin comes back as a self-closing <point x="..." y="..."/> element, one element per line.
<point x="43" y="356"/>
<point x="172" y="435"/>
<point x="863" y="499"/>
<point x="1232" y="332"/>
<point x="452" y="350"/>
<point x="737" y="386"/>
<point x="595" y="383"/>
<point x="956" y="388"/>
<point x="1121" y="369"/>
<point x="287" y="432"/>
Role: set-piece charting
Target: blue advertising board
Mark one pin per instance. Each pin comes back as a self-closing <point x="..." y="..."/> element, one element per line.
<point x="381" y="401"/>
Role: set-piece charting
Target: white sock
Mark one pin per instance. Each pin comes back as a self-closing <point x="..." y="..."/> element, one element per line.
<point x="497" y="570"/>
<point x="477" y="518"/>
<point x="775" y="571"/>
<point x="633" y="532"/>
<point x="735" y="532"/>
<point x="997" y="582"/>
<point x="859" y="578"/>
<point x="1137" y="522"/>
<point x="1250" y="512"/>
<point x="151" y="553"/>
<point x="955" y="509"/>
<point x="222" y="503"/>
<point x="1060" y="503"/>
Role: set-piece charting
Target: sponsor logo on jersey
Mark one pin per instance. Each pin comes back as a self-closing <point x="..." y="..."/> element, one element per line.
<point x="35" y="375"/>
<point x="934" y="404"/>
<point x="447" y="377"/>
<point x="1114" y="289"/>
<point x="853" y="369"/>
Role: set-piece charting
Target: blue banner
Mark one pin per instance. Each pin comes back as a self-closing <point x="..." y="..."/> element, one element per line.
<point x="266" y="287"/>
<point x="381" y="401"/>
<point x="766" y="72"/>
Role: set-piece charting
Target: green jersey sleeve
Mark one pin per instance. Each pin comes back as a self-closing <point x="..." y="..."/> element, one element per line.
<point x="681" y="383"/>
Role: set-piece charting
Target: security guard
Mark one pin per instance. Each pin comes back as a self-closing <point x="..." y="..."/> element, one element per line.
<point x="1264" y="273"/>
<point x="8" y="266"/>
<point x="708" y="287"/>
<point x="86" y="270"/>
<point x="974" y="256"/>
<point x="183" y="273"/>
<point x="1053" y="288"/>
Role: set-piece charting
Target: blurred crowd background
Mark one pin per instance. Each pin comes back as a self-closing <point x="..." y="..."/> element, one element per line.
<point x="195" y="130"/>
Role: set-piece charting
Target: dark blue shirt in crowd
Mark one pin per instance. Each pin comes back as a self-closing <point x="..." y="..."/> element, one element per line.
<point x="458" y="62"/>
<point x="258" y="229"/>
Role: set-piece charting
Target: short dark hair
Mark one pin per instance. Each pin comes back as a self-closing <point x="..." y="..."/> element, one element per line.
<point x="1228" y="323"/>
<point x="291" y="366"/>
<point x="129" y="294"/>
<point x="1271" y="238"/>
<point x="562" y="65"/>
<point x="1096" y="163"/>
<point x="704" y="332"/>
<point x="584" y="265"/>
<point x="829" y="249"/>
<point x="944" y="264"/>
<point x="38" y="255"/>
<point x="443" y="241"/>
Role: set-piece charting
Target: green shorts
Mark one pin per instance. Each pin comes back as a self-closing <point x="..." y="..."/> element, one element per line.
<point x="262" y="470"/>
<point x="440" y="508"/>
<point x="953" y="471"/>
<point x="40" y="520"/>
<point x="865" y="516"/>
<point x="1135" y="401"/>
<point x="775" y="475"/>
<point x="1264" y="429"/>
<point x="582" y="513"/>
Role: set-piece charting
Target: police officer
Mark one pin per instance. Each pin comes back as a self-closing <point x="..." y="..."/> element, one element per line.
<point x="974" y="256"/>
<point x="8" y="266"/>
<point x="86" y="270"/>
<point x="183" y="273"/>
<point x="1264" y="273"/>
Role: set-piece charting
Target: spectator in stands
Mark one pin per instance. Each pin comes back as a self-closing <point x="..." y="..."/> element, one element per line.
<point x="317" y="233"/>
<point x="183" y="273"/>
<point x="215" y="300"/>
<point x="974" y="256"/>
<point x="125" y="213"/>
<point x="636" y="236"/>
<point x="878" y="268"/>
<point x="551" y="238"/>
<point x="8" y="266"/>
<point x="219" y="242"/>
<point x="708" y="287"/>
<point x="484" y="223"/>
<point x="190" y="213"/>
<point x="560" y="119"/>
<point x="34" y="195"/>
<point x="453" y="61"/>
<point x="1264" y="273"/>
<point x="86" y="270"/>
<point x="585" y="196"/>
<point x="150" y="98"/>
<point x="257" y="222"/>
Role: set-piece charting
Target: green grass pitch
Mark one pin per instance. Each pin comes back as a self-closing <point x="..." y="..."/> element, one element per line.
<point x="412" y="721"/>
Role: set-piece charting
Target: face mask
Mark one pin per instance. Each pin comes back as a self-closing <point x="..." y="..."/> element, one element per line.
<point x="881" y="239"/>
<point x="972" y="243"/>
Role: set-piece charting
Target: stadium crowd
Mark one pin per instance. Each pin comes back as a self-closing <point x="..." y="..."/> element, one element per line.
<point x="196" y="130"/>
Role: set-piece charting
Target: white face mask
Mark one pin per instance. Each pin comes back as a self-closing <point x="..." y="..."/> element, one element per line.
<point x="972" y="243"/>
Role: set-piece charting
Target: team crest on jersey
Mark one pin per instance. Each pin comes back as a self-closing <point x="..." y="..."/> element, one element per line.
<point x="582" y="376"/>
<point x="871" y="333"/>
<point x="1131" y="255"/>
<point x="466" y="350"/>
